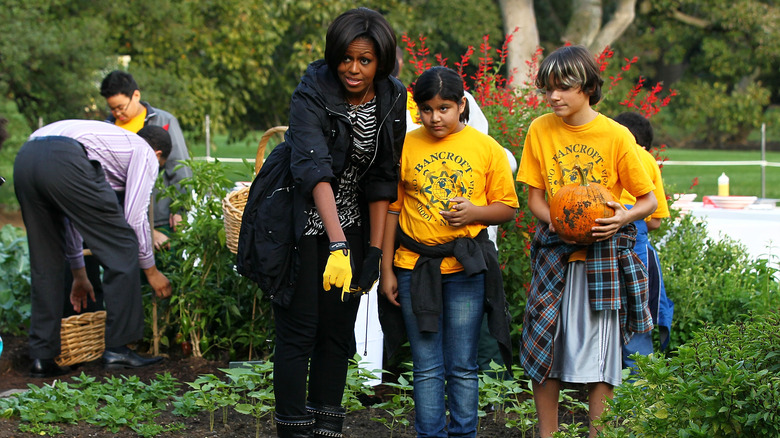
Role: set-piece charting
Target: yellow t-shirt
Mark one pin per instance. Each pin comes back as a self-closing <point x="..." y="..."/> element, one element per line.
<point x="651" y="166"/>
<point x="603" y="148"/>
<point x="433" y="171"/>
<point x="135" y="124"/>
<point x="411" y="106"/>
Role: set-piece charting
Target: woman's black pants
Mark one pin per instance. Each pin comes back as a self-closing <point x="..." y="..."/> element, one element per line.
<point x="315" y="335"/>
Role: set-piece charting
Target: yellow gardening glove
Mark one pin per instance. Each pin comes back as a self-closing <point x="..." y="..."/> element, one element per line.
<point x="338" y="271"/>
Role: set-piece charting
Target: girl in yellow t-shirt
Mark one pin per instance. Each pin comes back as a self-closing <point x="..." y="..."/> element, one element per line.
<point x="454" y="182"/>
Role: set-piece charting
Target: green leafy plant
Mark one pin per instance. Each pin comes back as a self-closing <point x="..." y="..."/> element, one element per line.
<point x="400" y="404"/>
<point x="510" y="399"/>
<point x="208" y="392"/>
<point x="492" y="391"/>
<point x="14" y="281"/>
<point x="356" y="389"/>
<point x="571" y="430"/>
<point x="186" y="405"/>
<point x="212" y="306"/>
<point x="114" y="404"/>
<point x="256" y="385"/>
<point x="40" y="429"/>
<point x="724" y="382"/>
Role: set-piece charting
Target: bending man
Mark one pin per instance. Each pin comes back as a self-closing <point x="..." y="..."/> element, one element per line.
<point x="90" y="180"/>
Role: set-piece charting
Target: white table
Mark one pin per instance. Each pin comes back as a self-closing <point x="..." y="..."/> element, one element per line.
<point x="757" y="227"/>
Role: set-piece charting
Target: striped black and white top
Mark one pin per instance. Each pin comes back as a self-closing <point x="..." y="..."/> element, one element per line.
<point x="364" y="128"/>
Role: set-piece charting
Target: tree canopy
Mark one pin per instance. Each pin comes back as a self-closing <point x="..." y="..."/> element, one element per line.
<point x="722" y="57"/>
<point x="51" y="54"/>
<point x="240" y="60"/>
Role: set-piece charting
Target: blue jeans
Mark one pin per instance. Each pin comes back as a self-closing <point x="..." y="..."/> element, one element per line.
<point x="450" y="356"/>
<point x="641" y="343"/>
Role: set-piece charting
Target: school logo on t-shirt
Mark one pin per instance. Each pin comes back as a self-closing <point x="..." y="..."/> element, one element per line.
<point x="439" y="178"/>
<point x="584" y="156"/>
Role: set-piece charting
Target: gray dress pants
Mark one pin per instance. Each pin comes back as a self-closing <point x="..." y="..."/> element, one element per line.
<point x="55" y="181"/>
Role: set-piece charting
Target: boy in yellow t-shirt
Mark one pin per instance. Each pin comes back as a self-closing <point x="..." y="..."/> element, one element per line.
<point x="128" y="111"/>
<point x="661" y="307"/>
<point x="577" y="310"/>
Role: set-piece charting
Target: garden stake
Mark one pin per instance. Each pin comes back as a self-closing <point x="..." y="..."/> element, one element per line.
<point x="155" y="329"/>
<point x="252" y="326"/>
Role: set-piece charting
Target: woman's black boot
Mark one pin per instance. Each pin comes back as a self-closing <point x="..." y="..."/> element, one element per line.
<point x="294" y="427"/>
<point x="328" y="420"/>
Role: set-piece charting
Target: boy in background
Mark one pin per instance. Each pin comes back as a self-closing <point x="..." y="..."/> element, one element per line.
<point x="661" y="307"/>
<point x="128" y="111"/>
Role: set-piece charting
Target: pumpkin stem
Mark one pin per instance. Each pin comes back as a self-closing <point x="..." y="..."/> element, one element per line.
<point x="581" y="172"/>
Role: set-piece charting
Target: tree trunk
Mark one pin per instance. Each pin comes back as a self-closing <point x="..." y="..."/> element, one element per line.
<point x="584" y="28"/>
<point x="520" y="21"/>
<point x="584" y="23"/>
<point x="622" y="18"/>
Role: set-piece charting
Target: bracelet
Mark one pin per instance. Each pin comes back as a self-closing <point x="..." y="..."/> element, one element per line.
<point x="335" y="246"/>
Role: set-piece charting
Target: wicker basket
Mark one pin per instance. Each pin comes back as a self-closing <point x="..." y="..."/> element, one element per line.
<point x="83" y="338"/>
<point x="232" y="209"/>
<point x="233" y="204"/>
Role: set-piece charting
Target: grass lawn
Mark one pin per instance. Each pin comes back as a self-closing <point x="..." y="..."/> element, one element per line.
<point x="244" y="149"/>
<point x="743" y="180"/>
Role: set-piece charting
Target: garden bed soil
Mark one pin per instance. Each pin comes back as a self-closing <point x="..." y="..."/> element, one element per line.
<point x="14" y="375"/>
<point x="12" y="217"/>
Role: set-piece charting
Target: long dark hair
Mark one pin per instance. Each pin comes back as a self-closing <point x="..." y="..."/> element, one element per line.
<point x="443" y="82"/>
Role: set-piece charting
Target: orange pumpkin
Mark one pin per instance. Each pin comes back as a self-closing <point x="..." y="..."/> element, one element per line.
<point x="575" y="207"/>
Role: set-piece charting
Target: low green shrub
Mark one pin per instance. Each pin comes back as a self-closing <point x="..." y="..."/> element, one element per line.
<point x="725" y="382"/>
<point x="213" y="310"/>
<point x="14" y="281"/>
<point x="712" y="281"/>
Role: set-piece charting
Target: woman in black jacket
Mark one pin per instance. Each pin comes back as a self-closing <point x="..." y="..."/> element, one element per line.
<point x="347" y="126"/>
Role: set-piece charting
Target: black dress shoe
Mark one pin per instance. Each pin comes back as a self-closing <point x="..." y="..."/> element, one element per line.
<point x="46" y="368"/>
<point x="128" y="359"/>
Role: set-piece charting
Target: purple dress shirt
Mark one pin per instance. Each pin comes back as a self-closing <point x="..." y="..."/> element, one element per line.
<point x="130" y="165"/>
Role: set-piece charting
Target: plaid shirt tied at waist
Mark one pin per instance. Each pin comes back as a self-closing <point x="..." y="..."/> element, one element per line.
<point x="617" y="280"/>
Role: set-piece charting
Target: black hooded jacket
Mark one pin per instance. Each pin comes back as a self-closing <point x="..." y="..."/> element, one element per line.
<point x="315" y="149"/>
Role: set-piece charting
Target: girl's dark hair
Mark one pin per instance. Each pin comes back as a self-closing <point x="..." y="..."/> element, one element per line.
<point x="569" y="67"/>
<point x="443" y="82"/>
<point x="361" y="23"/>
